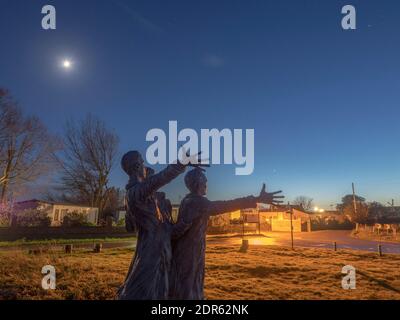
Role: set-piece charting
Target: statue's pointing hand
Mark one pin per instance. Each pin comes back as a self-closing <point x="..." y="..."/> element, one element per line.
<point x="192" y="160"/>
<point x="270" y="198"/>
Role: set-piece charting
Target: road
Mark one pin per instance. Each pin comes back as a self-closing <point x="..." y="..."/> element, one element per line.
<point x="315" y="239"/>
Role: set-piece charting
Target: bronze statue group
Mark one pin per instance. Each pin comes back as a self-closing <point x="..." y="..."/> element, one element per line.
<point x="169" y="259"/>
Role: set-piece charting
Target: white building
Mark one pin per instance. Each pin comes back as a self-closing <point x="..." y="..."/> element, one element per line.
<point x="56" y="211"/>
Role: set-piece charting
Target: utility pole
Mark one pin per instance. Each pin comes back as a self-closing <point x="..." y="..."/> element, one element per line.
<point x="354" y="199"/>
<point x="291" y="224"/>
<point x="241" y="212"/>
<point x="391" y="203"/>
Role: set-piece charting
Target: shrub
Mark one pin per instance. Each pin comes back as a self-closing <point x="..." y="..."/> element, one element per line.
<point x="4" y="221"/>
<point x="121" y="223"/>
<point x="33" y="218"/>
<point x="75" y="219"/>
<point x="329" y="224"/>
<point x="6" y="211"/>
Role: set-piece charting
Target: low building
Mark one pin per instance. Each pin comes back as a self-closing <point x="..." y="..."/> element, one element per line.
<point x="120" y="215"/>
<point x="278" y="219"/>
<point x="261" y="219"/>
<point x="56" y="210"/>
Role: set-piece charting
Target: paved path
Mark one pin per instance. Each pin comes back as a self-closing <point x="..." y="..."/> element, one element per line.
<point x="316" y="239"/>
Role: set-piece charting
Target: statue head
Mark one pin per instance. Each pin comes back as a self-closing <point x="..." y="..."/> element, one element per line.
<point x="133" y="164"/>
<point x="196" y="181"/>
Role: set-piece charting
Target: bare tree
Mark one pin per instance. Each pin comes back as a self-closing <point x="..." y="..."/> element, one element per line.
<point x="115" y="201"/>
<point x="26" y="147"/>
<point x="305" y="202"/>
<point x="87" y="159"/>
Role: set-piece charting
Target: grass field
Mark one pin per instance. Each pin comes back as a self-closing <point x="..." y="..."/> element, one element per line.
<point x="24" y="242"/>
<point x="261" y="273"/>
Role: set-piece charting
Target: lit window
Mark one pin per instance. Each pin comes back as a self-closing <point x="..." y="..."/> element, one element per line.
<point x="63" y="213"/>
<point x="57" y="215"/>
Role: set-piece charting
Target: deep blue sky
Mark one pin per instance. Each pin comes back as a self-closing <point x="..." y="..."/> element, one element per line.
<point x="324" y="102"/>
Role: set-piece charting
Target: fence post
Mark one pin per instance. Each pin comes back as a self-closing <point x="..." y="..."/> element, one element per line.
<point x="97" y="247"/>
<point x="309" y="225"/>
<point x="245" y="245"/>
<point x="380" y="250"/>
<point x="68" y="248"/>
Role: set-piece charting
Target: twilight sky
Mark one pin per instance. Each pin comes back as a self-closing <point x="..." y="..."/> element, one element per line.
<point x="324" y="102"/>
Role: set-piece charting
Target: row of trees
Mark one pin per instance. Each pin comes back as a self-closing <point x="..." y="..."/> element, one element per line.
<point x="83" y="158"/>
<point x="365" y="212"/>
<point x="304" y="202"/>
<point x="358" y="211"/>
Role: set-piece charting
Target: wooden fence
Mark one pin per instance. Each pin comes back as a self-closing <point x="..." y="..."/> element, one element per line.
<point x="379" y="228"/>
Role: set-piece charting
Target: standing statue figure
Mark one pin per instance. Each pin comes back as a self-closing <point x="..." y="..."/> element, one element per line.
<point x="189" y="239"/>
<point x="148" y="213"/>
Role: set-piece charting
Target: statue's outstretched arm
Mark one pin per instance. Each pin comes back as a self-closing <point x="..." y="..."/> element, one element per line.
<point x="160" y="179"/>
<point x="220" y="207"/>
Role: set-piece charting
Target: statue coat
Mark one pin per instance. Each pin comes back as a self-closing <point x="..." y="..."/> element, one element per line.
<point x="189" y="243"/>
<point x="148" y="275"/>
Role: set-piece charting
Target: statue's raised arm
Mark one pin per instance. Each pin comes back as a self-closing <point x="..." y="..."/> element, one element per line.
<point x="143" y="185"/>
<point x="220" y="207"/>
